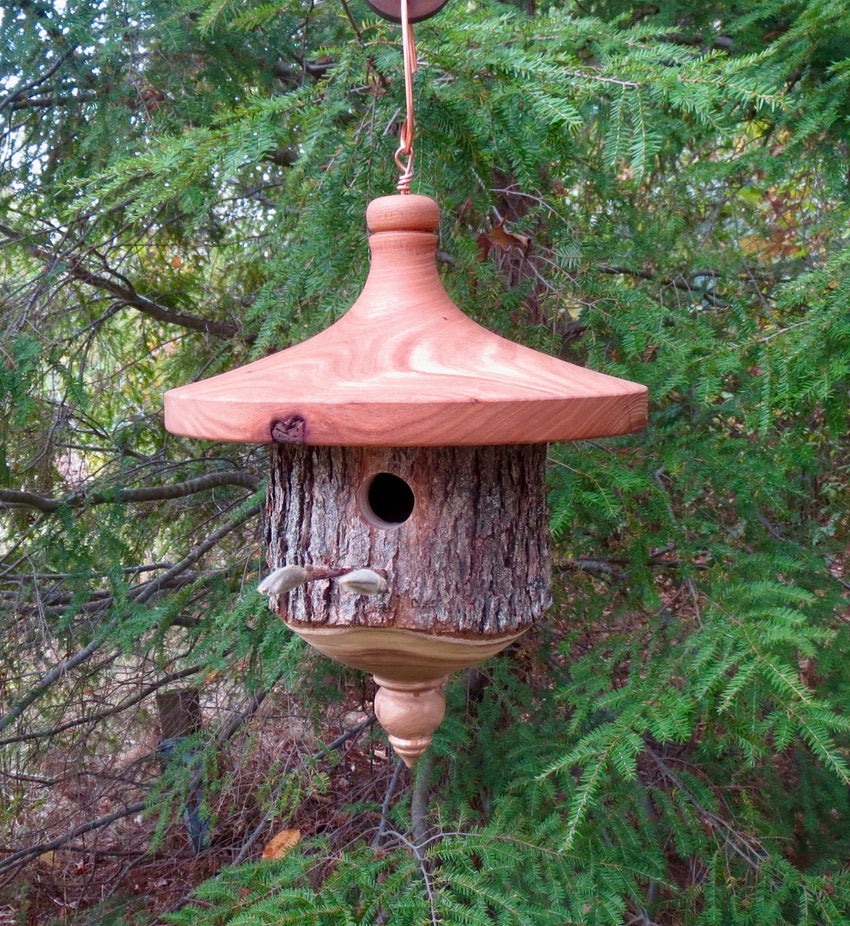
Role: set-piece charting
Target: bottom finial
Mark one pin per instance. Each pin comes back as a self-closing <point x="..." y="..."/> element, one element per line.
<point x="410" y="712"/>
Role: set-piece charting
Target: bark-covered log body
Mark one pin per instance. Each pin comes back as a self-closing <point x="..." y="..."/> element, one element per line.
<point x="472" y="557"/>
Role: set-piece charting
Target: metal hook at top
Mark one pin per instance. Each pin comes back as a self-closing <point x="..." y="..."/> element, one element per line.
<point x="417" y="10"/>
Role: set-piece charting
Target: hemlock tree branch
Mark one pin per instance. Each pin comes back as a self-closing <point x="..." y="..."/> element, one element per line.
<point x="124" y="292"/>
<point x="50" y="678"/>
<point x="688" y="214"/>
<point x="335" y="744"/>
<point x="416" y="850"/>
<point x="48" y="102"/>
<point x="154" y="586"/>
<point x="20" y="92"/>
<point x="16" y="498"/>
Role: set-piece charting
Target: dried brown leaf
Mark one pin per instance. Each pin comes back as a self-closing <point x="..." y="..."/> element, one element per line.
<point x="282" y="843"/>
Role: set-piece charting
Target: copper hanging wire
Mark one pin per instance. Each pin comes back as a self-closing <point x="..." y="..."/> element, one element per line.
<point x="404" y="154"/>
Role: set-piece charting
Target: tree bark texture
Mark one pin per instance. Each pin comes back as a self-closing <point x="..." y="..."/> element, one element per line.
<point x="472" y="558"/>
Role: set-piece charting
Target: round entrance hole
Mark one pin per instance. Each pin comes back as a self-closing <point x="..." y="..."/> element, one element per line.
<point x="386" y="500"/>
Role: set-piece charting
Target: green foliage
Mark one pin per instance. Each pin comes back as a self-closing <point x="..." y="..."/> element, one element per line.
<point x="183" y="191"/>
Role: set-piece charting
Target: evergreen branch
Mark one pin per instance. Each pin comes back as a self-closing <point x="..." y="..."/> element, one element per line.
<point x="13" y="498"/>
<point x="602" y="79"/>
<point x="341" y="740"/>
<point x="423" y="868"/>
<point x="680" y="284"/>
<point x="351" y="20"/>
<point x="123" y="291"/>
<point x="19" y="92"/>
<point x="99" y="600"/>
<point x="255" y="702"/>
<point x="748" y="848"/>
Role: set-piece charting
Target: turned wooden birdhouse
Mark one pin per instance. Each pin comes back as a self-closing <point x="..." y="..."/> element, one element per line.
<point x="407" y="474"/>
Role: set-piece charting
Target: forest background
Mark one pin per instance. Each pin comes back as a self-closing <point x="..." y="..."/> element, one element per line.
<point x="659" y="191"/>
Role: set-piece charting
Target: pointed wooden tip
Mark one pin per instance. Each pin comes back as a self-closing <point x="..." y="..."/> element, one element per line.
<point x="410" y="751"/>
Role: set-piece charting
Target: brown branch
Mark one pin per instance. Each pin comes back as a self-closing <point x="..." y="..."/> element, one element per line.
<point x="48" y="102"/>
<point x="347" y="9"/>
<point x="16" y="859"/>
<point x="681" y="284"/>
<point x="49" y="679"/>
<point x="343" y="738"/>
<point x="15" y="498"/>
<point x="145" y="593"/>
<point x="123" y="291"/>
<point x="103" y="715"/>
<point x="255" y="701"/>
<point x="20" y="92"/>
<point x="194" y="555"/>
<point x="56" y="602"/>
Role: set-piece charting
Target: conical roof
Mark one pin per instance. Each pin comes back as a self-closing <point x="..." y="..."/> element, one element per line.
<point x="405" y="367"/>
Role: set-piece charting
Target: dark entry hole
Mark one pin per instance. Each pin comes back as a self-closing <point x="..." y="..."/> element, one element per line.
<point x="388" y="500"/>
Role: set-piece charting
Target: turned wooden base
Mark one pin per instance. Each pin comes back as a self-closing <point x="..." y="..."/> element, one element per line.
<point x="410" y="669"/>
<point x="403" y="655"/>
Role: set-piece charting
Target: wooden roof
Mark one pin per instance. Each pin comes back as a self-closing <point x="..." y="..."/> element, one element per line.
<point x="405" y="367"/>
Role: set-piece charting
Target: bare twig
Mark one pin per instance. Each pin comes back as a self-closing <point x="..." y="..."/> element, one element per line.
<point x="192" y="557"/>
<point x="49" y="679"/>
<point x="419" y="799"/>
<point x="343" y="738"/>
<point x="385" y="806"/>
<point x="16" y="859"/>
<point x="140" y="595"/>
<point x="351" y="20"/>
<point x="19" y="92"/>
<point x="103" y="715"/>
<point x="49" y="102"/>
<point x="416" y="849"/>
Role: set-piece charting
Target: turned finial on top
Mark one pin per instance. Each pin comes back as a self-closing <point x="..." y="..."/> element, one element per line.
<point x="408" y="212"/>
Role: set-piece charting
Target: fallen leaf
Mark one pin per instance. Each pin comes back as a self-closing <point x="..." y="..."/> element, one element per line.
<point x="278" y="846"/>
<point x="500" y="237"/>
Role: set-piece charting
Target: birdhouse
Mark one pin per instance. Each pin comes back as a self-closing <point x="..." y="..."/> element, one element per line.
<point x="406" y="515"/>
